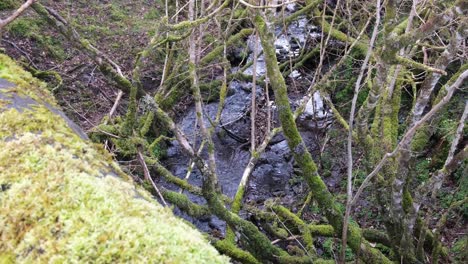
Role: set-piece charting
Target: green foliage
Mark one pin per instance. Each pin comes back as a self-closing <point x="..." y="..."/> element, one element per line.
<point x="384" y="249"/>
<point x="153" y="14"/>
<point x="366" y="212"/>
<point x="331" y="249"/>
<point x="460" y="250"/>
<point x="448" y="197"/>
<point x="462" y="180"/>
<point x="8" y="4"/>
<point x="53" y="46"/>
<point x="341" y="206"/>
<point x="359" y="176"/>
<point x="314" y="208"/>
<point x="446" y="128"/>
<point x="158" y="151"/>
<point x="448" y="120"/>
<point x="326" y="160"/>
<point x="422" y="169"/>
<point x="117" y="13"/>
<point x="295" y="179"/>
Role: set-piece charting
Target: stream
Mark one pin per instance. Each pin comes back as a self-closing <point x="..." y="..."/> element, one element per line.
<point x="274" y="175"/>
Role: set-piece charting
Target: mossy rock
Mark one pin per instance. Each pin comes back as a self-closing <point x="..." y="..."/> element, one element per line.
<point x="63" y="199"/>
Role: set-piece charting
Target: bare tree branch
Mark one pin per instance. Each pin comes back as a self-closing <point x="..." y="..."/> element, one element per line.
<point x="357" y="87"/>
<point x="17" y="13"/>
<point x="410" y="133"/>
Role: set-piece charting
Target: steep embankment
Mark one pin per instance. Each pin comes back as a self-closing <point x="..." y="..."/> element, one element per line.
<point x="64" y="199"/>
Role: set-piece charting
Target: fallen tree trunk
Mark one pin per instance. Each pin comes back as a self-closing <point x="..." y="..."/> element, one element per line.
<point x="64" y="199"/>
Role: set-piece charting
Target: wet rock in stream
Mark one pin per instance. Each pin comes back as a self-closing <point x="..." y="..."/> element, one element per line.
<point x="274" y="176"/>
<point x="271" y="177"/>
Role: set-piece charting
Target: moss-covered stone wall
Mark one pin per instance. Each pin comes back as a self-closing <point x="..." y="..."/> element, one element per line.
<point x="63" y="199"/>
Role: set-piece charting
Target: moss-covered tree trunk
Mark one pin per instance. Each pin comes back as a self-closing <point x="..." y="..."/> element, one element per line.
<point x="302" y="156"/>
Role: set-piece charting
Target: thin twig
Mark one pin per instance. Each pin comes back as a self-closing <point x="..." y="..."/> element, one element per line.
<point x="22" y="51"/>
<point x="141" y="159"/>
<point x="116" y="103"/>
<point x="350" y="134"/>
<point x="253" y="110"/>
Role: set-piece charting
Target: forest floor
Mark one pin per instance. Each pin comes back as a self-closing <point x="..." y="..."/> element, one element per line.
<point x="119" y="28"/>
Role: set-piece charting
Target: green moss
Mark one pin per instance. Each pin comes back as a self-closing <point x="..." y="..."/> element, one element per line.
<point x="326" y="27"/>
<point x="131" y="115"/>
<point x="407" y="202"/>
<point x="26" y="84"/>
<point x="217" y="52"/>
<point x="253" y="240"/>
<point x="33" y="28"/>
<point x="298" y="224"/>
<point x="63" y="200"/>
<point x="310" y="5"/>
<point x="322" y="230"/>
<point x="421" y="138"/>
<point x="79" y="209"/>
<point x="100" y="132"/>
<point x="235" y="208"/>
<point x="129" y="146"/>
<point x="95" y="31"/>
<point x="236" y="205"/>
<point x="231" y="250"/>
<point x="377" y="236"/>
<point x="169" y="177"/>
<point x="184" y="203"/>
<point x="280" y="232"/>
<point x="24" y="27"/>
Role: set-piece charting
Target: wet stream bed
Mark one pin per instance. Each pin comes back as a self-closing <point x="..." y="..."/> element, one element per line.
<point x="275" y="175"/>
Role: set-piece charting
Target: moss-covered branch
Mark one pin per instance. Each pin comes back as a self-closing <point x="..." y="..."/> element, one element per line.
<point x="301" y="155"/>
<point x="234" y="252"/>
<point x="109" y="68"/>
<point x="299" y="224"/>
<point x="218" y="51"/>
<point x="190" y="24"/>
<point x="184" y="203"/>
<point x="310" y="5"/>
